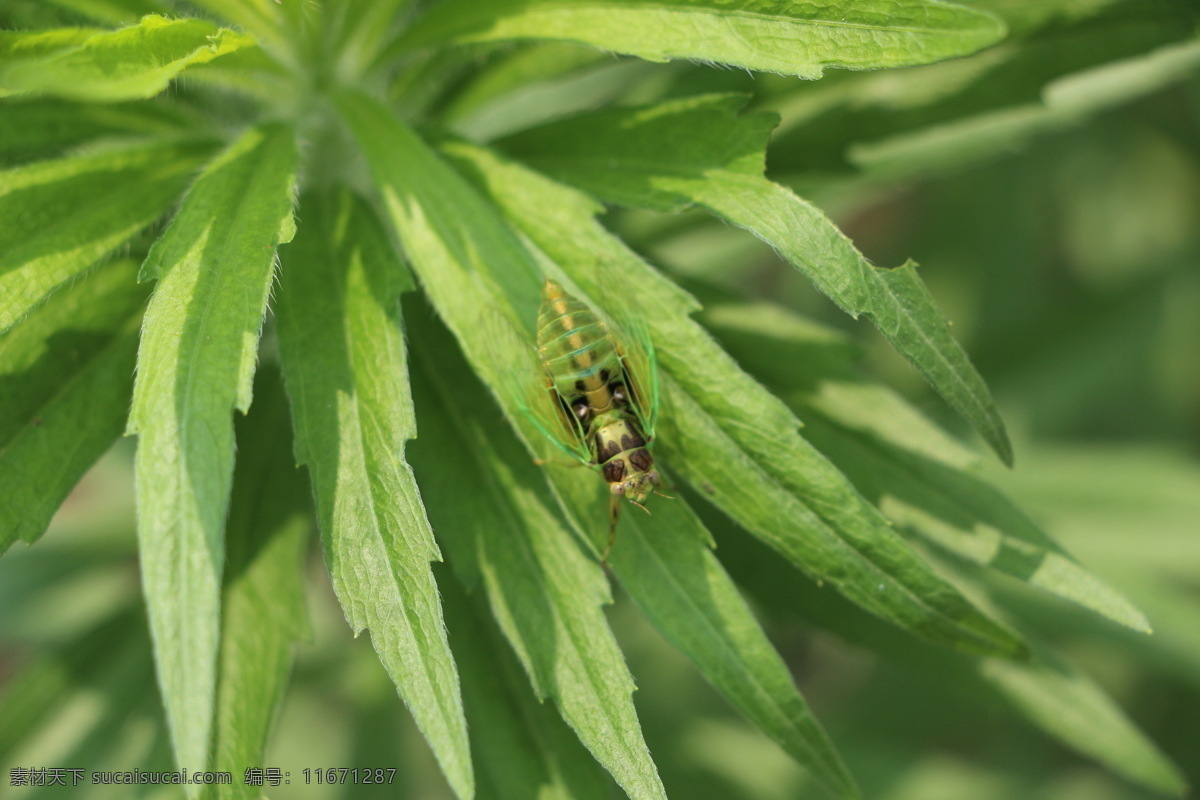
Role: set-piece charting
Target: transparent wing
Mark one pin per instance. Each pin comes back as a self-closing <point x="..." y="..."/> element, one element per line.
<point x="632" y="339"/>
<point x="525" y="385"/>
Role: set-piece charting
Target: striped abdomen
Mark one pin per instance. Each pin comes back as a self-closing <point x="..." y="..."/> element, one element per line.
<point x="575" y="348"/>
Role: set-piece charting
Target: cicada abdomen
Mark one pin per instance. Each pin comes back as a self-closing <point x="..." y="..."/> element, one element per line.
<point x="606" y="392"/>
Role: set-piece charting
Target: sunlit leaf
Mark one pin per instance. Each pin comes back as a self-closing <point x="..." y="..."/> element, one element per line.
<point x="893" y="456"/>
<point x="137" y="61"/>
<point x="214" y="266"/>
<point x="732" y="439"/>
<point x="767" y="35"/>
<point x="545" y="593"/>
<point x="62" y="217"/>
<point x="635" y="158"/>
<point x="347" y="375"/>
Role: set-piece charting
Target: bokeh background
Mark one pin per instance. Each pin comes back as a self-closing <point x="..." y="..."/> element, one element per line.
<point x="1066" y="252"/>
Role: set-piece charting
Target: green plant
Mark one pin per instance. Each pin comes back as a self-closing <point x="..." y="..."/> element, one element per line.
<point x="164" y="174"/>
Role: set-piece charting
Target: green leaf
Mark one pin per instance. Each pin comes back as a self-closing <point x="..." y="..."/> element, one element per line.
<point x="446" y="250"/>
<point x="199" y="341"/>
<point x="1050" y="694"/>
<point x="62" y="216"/>
<point x="134" y="62"/>
<point x="898" y="459"/>
<point x="42" y="126"/>
<point x="440" y="221"/>
<point x="731" y="438"/>
<point x="1067" y="704"/>
<point x="546" y="594"/>
<point x="667" y="567"/>
<point x="66" y="376"/>
<point x="347" y="376"/>
<point x="649" y="158"/>
<point x="524" y="748"/>
<point x="263" y="611"/>
<point x="767" y="35"/>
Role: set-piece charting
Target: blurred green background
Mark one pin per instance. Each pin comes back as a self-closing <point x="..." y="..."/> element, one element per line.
<point x="1068" y="259"/>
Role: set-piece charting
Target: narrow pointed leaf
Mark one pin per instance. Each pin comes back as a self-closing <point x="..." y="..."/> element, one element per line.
<point x="770" y="35"/>
<point x="447" y="255"/>
<point x="1049" y="693"/>
<point x="900" y="460"/>
<point x="635" y="158"/>
<point x="546" y="594"/>
<point x="524" y="748"/>
<point x="735" y="441"/>
<point x="62" y="216"/>
<point x="667" y="566"/>
<point x="214" y="266"/>
<point x="347" y="377"/>
<point x="134" y="62"/>
<point x="263" y="612"/>
<point x="447" y="229"/>
<point x="66" y="376"/>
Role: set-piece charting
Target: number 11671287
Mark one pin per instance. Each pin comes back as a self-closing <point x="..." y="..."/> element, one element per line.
<point x="338" y="775"/>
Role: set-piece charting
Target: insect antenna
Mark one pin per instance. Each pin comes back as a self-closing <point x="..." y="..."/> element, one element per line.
<point x="642" y="507"/>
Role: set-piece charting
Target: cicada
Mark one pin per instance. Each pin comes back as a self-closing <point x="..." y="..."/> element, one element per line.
<point x="600" y="398"/>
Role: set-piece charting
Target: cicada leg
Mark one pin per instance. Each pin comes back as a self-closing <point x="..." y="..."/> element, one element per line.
<point x="614" y="514"/>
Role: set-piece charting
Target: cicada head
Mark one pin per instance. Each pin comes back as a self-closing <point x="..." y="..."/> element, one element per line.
<point x="637" y="486"/>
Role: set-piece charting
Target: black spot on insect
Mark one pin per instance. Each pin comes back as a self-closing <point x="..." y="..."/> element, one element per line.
<point x="614" y="471"/>
<point x="579" y="386"/>
<point x="642" y="460"/>
<point x="604" y="376"/>
<point x="607" y="450"/>
<point x="631" y="440"/>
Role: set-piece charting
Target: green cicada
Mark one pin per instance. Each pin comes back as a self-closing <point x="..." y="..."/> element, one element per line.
<point x="600" y="397"/>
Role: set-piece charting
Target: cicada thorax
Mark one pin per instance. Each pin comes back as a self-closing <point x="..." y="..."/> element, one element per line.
<point x="624" y="456"/>
<point x="587" y="375"/>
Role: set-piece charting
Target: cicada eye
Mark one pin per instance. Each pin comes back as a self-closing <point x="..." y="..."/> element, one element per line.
<point x="618" y="393"/>
<point x="582" y="409"/>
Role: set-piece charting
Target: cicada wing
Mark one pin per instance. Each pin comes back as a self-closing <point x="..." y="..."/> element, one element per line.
<point x="554" y="419"/>
<point x="526" y="386"/>
<point x="636" y="348"/>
